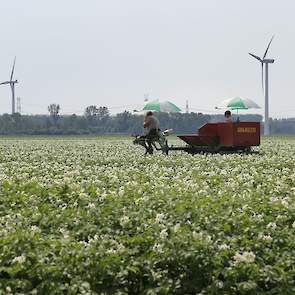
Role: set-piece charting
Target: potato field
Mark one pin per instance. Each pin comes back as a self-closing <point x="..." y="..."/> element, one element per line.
<point x="95" y="216"/>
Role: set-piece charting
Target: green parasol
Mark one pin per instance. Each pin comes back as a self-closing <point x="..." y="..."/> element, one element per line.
<point x="238" y="103"/>
<point x="164" y="106"/>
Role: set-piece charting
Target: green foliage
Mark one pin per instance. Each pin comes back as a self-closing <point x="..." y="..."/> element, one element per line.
<point x="96" y="217"/>
<point x="98" y="121"/>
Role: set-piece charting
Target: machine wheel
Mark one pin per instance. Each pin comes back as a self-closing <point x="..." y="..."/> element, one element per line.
<point x="166" y="148"/>
<point x="247" y="149"/>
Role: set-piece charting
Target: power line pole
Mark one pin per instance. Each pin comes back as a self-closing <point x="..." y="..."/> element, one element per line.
<point x="186" y="107"/>
<point x="146" y="97"/>
<point x="18" y="105"/>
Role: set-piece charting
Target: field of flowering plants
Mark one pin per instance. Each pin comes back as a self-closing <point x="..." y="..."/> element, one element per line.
<point x="94" y="216"/>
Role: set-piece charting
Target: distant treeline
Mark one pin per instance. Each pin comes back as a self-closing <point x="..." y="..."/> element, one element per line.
<point x="122" y="123"/>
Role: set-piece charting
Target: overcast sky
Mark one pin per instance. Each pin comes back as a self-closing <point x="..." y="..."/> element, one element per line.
<point x="112" y="52"/>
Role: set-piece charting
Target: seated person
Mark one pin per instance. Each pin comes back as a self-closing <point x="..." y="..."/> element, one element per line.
<point x="227" y="116"/>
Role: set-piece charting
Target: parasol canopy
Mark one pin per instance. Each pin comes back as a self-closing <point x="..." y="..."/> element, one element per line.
<point x="161" y="106"/>
<point x="239" y="103"/>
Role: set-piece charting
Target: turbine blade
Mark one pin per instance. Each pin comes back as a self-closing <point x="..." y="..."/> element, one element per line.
<point x="6" y="82"/>
<point x="11" y="76"/>
<point x="265" y="53"/>
<point x="255" y="56"/>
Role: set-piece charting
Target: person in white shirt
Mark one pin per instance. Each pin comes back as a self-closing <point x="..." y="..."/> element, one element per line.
<point x="227" y="116"/>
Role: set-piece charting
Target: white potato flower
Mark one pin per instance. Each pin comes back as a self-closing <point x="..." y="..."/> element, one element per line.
<point x="124" y="220"/>
<point x="223" y="247"/>
<point x="163" y="234"/>
<point x="19" y="259"/>
<point x="160" y="218"/>
<point x="271" y="225"/>
<point x="245" y="257"/>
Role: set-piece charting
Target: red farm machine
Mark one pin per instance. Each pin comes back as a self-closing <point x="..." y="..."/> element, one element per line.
<point x="211" y="138"/>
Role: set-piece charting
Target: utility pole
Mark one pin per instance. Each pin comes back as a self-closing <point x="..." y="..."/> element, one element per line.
<point x="146" y="97"/>
<point x="18" y="105"/>
<point x="186" y="107"/>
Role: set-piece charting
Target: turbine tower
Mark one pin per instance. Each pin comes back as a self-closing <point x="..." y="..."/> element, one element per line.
<point x="18" y="105"/>
<point x="265" y="61"/>
<point x="12" y="83"/>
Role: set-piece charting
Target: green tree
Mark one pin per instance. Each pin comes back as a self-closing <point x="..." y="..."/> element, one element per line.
<point x="91" y="112"/>
<point x="103" y="113"/>
<point x="54" y="110"/>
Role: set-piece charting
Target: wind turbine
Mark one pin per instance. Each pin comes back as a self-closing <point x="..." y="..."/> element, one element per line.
<point x="12" y="85"/>
<point x="265" y="61"/>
